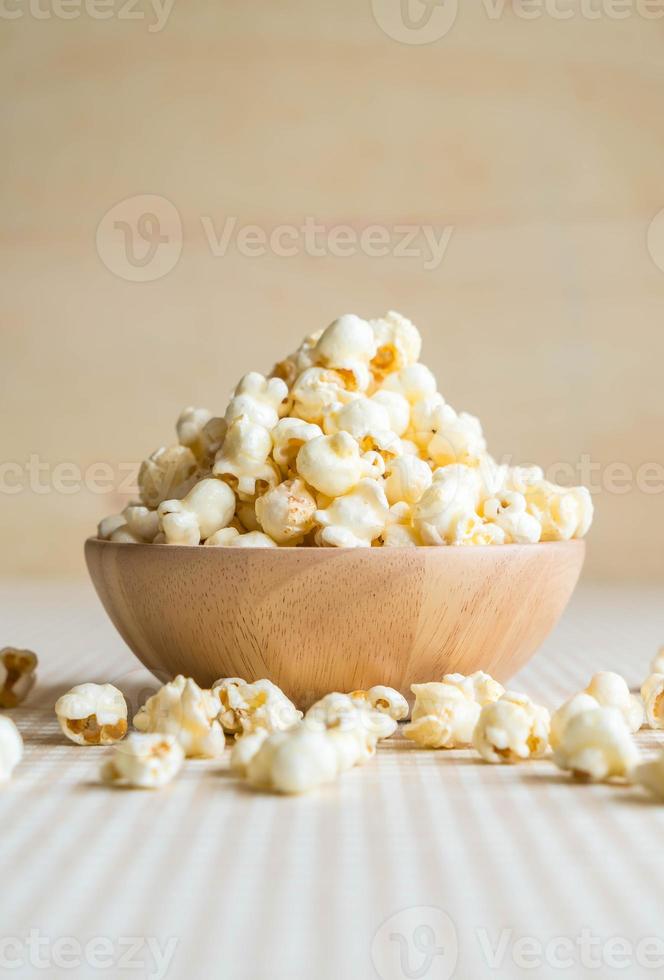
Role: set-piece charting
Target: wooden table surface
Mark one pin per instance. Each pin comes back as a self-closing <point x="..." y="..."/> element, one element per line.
<point x="422" y="864"/>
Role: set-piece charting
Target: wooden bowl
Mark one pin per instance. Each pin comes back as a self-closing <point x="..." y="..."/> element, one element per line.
<point x="315" y="620"/>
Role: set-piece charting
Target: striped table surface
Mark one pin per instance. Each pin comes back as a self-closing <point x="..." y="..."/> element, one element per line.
<point x="419" y="865"/>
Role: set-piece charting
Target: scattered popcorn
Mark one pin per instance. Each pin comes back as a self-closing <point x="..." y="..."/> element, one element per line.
<point x="181" y="708"/>
<point x="650" y="775"/>
<point x="652" y="693"/>
<point x="611" y="691"/>
<point x="353" y="725"/>
<point x="443" y="717"/>
<point x="206" y="509"/>
<point x="293" y="761"/>
<point x="384" y="699"/>
<point x="246" y="708"/>
<point x="478" y="687"/>
<point x="144" y="761"/>
<point x="11" y="748"/>
<point x="18" y="673"/>
<point x="92" y="714"/>
<point x="596" y="744"/>
<point x="561" y="718"/>
<point x="245" y="748"/>
<point x="657" y="666"/>
<point x="354" y="519"/>
<point x="511" y="728"/>
<point x="352" y="403"/>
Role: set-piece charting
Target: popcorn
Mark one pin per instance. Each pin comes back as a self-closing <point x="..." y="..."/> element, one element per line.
<point x="443" y="716"/>
<point x="384" y="699"/>
<point x="142" y="523"/>
<point x="208" y="507"/>
<point x="652" y="693"/>
<point x="17" y="675"/>
<point x="352" y="403"/>
<point x="398" y="344"/>
<point x="406" y="479"/>
<point x="650" y="775"/>
<point x="353" y="725"/>
<point x="561" y="718"/>
<point x="610" y="690"/>
<point x="478" y="686"/>
<point x="288" y="437"/>
<point x="334" y="464"/>
<point x="596" y="744"/>
<point x="354" y="519"/>
<point x="511" y="728"/>
<point x="92" y="714"/>
<point x="247" y="708"/>
<point x="11" y="748"/>
<point x="294" y="761"/>
<point x="657" y="666"/>
<point x="191" y="430"/>
<point x="166" y="473"/>
<point x="510" y="514"/>
<point x="243" y="458"/>
<point x="144" y="761"/>
<point x="257" y="400"/>
<point x="245" y="749"/>
<point x="286" y="512"/>
<point x="182" y="709"/>
<point x="230" y="537"/>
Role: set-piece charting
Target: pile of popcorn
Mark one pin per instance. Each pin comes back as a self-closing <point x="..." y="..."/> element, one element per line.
<point x="278" y="749"/>
<point x="348" y="443"/>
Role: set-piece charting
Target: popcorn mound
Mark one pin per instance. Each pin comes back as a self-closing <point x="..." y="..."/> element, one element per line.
<point x="348" y="444"/>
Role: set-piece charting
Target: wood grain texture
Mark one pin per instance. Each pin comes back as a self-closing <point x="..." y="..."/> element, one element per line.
<point x="320" y="620"/>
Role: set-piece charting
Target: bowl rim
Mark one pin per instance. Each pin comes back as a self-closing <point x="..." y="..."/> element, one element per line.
<point x="140" y="546"/>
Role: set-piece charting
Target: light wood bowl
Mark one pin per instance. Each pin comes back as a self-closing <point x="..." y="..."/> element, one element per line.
<point x="315" y="620"/>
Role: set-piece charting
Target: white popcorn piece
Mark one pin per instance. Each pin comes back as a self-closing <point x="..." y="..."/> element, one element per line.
<point x="286" y="512"/>
<point x="182" y="709"/>
<point x="354" y="519"/>
<point x="511" y="729"/>
<point x="288" y="437"/>
<point x="142" y="523"/>
<point x="18" y="673"/>
<point x="208" y="507"/>
<point x="399" y="531"/>
<point x="657" y="666"/>
<point x="316" y="391"/>
<point x="384" y="699"/>
<point x="479" y="686"/>
<point x="564" y="714"/>
<point x="520" y="479"/>
<point x="354" y="726"/>
<point x="407" y="478"/>
<point x="11" y="748"/>
<point x="650" y="775"/>
<point x="109" y="525"/>
<point x="191" y="431"/>
<point x="509" y="512"/>
<point x="243" y="459"/>
<point x="610" y="690"/>
<point x="295" y="364"/>
<point x="443" y="716"/>
<point x="347" y="345"/>
<point x="124" y="536"/>
<point x="368" y="423"/>
<point x="230" y="537"/>
<point x="414" y="383"/>
<point x="398" y="344"/>
<point x="446" y="512"/>
<point x="248" y="708"/>
<point x="212" y="438"/>
<point x="334" y="464"/>
<point x="652" y="693"/>
<point x="92" y="714"/>
<point x="596" y="744"/>
<point x="167" y="473"/>
<point x="145" y="760"/>
<point x="259" y="400"/>
<point x="397" y="408"/>
<point x="446" y="436"/>
<point x="563" y="512"/>
<point x="294" y="761"/>
<point x="245" y="748"/>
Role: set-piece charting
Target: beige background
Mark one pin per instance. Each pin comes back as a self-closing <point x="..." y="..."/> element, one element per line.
<point x="540" y="141"/>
